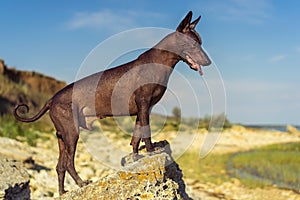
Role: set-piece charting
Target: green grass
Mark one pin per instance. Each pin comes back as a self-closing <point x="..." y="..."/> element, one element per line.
<point x="267" y="166"/>
<point x="29" y="133"/>
<point x="210" y="169"/>
<point x="271" y="165"/>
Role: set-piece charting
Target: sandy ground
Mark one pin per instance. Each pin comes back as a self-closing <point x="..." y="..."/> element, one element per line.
<point x="241" y="139"/>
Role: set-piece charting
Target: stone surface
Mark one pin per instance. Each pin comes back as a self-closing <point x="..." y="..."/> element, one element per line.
<point x="154" y="176"/>
<point x="14" y="180"/>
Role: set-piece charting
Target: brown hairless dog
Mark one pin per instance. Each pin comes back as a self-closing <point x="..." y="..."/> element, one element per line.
<point x="129" y="89"/>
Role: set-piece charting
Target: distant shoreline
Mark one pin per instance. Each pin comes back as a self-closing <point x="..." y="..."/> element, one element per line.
<point x="270" y="127"/>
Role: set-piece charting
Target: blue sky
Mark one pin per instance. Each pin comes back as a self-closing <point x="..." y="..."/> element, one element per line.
<point x="255" y="44"/>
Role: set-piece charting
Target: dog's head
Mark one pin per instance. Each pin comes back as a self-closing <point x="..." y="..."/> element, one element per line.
<point x="189" y="42"/>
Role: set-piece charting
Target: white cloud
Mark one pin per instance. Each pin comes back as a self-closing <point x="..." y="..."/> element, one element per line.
<point x="254" y="11"/>
<point x="108" y="19"/>
<point x="277" y="58"/>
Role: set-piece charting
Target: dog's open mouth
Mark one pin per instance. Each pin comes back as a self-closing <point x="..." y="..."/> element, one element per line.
<point x="194" y="65"/>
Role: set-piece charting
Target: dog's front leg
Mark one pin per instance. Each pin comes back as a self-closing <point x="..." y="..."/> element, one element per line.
<point x="142" y="128"/>
<point x="141" y="133"/>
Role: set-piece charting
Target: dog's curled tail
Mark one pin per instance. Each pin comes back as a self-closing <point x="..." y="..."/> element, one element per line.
<point x="35" y="117"/>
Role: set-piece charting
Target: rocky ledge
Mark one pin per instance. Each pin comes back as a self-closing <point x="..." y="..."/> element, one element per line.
<point x="14" y="182"/>
<point x="154" y="176"/>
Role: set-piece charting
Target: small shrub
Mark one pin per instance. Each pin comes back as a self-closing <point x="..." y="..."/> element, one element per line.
<point x="11" y="128"/>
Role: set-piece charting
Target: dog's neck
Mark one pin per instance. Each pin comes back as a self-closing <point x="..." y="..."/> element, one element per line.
<point x="166" y="52"/>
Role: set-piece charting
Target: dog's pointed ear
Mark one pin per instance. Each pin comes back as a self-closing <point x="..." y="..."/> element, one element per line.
<point x="194" y="23"/>
<point x="185" y="23"/>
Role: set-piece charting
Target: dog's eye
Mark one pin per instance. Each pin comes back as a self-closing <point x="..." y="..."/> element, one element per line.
<point x="195" y="44"/>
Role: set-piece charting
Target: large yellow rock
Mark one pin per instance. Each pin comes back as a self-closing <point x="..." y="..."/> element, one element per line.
<point x="155" y="176"/>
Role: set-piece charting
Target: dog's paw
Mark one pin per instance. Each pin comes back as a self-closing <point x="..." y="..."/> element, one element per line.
<point x="84" y="183"/>
<point x="63" y="192"/>
<point x="157" y="150"/>
<point x="150" y="150"/>
<point x="136" y="157"/>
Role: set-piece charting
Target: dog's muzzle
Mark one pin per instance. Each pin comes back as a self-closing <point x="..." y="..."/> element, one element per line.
<point x="193" y="64"/>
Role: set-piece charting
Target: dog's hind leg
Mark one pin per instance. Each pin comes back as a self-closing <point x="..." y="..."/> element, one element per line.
<point x="70" y="140"/>
<point x="66" y="124"/>
<point x="61" y="165"/>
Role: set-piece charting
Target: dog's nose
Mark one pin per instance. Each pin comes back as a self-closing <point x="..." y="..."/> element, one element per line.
<point x="207" y="62"/>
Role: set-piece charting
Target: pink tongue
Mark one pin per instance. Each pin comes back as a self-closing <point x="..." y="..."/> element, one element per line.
<point x="198" y="67"/>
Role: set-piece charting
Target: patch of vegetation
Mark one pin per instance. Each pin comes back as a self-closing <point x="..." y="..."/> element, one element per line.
<point x="271" y="165"/>
<point x="159" y="123"/>
<point x="209" y="169"/>
<point x="24" y="132"/>
<point x="267" y="166"/>
<point x="10" y="94"/>
<point x="215" y="122"/>
<point x="123" y="126"/>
